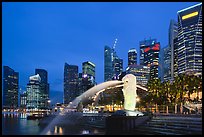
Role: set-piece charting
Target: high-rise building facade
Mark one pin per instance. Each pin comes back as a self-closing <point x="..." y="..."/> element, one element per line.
<point x="141" y="72"/>
<point x="23" y="98"/>
<point x="143" y="45"/>
<point x="175" y="57"/>
<point x="117" y="66"/>
<point x="108" y="68"/>
<point x="173" y="32"/>
<point x="87" y="76"/>
<point x="88" y="68"/>
<point x="34" y="99"/>
<point x="10" y="87"/>
<point x="167" y="63"/>
<point x="70" y="82"/>
<point x="161" y="65"/>
<point x="44" y="86"/>
<point x="149" y="56"/>
<point x="132" y="56"/>
<point x="190" y="39"/>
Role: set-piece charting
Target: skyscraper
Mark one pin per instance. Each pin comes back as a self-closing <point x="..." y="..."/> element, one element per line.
<point x="161" y="64"/>
<point x="175" y="57"/>
<point x="173" y="32"/>
<point x="44" y="86"/>
<point x="10" y="87"/>
<point x="34" y="99"/>
<point x="113" y="65"/>
<point x="149" y="56"/>
<point x="132" y="56"/>
<point x="190" y="39"/>
<point x="23" y="100"/>
<point x="167" y="63"/>
<point x="88" y="75"/>
<point x="108" y="68"/>
<point x="142" y="73"/>
<point x="88" y="68"/>
<point x="143" y="45"/>
<point x="70" y="82"/>
<point x="117" y="67"/>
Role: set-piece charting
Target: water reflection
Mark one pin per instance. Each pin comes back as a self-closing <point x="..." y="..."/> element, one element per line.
<point x="58" y="130"/>
<point x="15" y="115"/>
<point x="23" y="115"/>
<point x="85" y="132"/>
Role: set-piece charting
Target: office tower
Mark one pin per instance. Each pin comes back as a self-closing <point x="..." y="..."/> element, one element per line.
<point x="143" y="45"/>
<point x="167" y="63"/>
<point x="161" y="65"/>
<point x="88" y="75"/>
<point x="173" y="32"/>
<point x="70" y="82"/>
<point x="88" y="68"/>
<point x="132" y="56"/>
<point x="34" y="99"/>
<point x="10" y="87"/>
<point x="141" y="72"/>
<point x="81" y="84"/>
<point x="149" y="56"/>
<point x="44" y="86"/>
<point x="117" y="67"/>
<point x="190" y="39"/>
<point x="23" y="98"/>
<point x="113" y="65"/>
<point x="175" y="57"/>
<point x="108" y="69"/>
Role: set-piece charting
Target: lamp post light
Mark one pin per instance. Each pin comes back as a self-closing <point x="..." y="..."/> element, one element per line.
<point x="137" y="101"/>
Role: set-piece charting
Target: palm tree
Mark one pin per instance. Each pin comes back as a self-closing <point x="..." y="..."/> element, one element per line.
<point x="167" y="92"/>
<point x="172" y="94"/>
<point x="178" y="90"/>
<point x="149" y="97"/>
<point x="197" y="85"/>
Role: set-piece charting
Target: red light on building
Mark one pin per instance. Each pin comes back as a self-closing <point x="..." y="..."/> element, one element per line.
<point x="155" y="47"/>
<point x="147" y="49"/>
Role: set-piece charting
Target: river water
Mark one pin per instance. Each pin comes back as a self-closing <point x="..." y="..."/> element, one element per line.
<point x="17" y="124"/>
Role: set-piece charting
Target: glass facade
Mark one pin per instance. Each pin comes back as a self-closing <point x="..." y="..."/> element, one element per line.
<point x="88" y="69"/>
<point x="23" y="98"/>
<point x="175" y="57"/>
<point x="108" y="70"/>
<point x="149" y="56"/>
<point x="70" y="82"/>
<point x="132" y="56"/>
<point x="10" y="87"/>
<point x="143" y="45"/>
<point x="190" y="39"/>
<point x="88" y="76"/>
<point x="34" y="100"/>
<point x="167" y="63"/>
<point x="44" y="87"/>
<point x="118" y="67"/>
<point x="173" y="32"/>
<point x="141" y="72"/>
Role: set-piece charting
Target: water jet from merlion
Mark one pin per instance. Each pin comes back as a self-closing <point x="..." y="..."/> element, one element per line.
<point x="129" y="85"/>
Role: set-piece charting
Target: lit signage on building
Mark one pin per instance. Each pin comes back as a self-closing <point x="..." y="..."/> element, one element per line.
<point x="189" y="15"/>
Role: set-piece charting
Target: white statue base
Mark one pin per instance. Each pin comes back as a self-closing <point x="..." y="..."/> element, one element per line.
<point x="133" y="113"/>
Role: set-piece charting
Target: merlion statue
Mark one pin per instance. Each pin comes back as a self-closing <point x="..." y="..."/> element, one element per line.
<point x="129" y="93"/>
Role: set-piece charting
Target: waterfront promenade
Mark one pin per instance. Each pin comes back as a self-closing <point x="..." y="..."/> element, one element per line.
<point x="77" y="123"/>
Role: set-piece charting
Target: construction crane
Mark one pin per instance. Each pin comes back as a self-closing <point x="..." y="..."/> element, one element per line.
<point x="114" y="45"/>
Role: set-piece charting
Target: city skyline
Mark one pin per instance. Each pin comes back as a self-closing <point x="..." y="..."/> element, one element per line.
<point x="46" y="35"/>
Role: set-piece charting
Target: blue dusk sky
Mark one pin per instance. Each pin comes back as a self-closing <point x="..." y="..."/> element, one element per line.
<point x="47" y="34"/>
